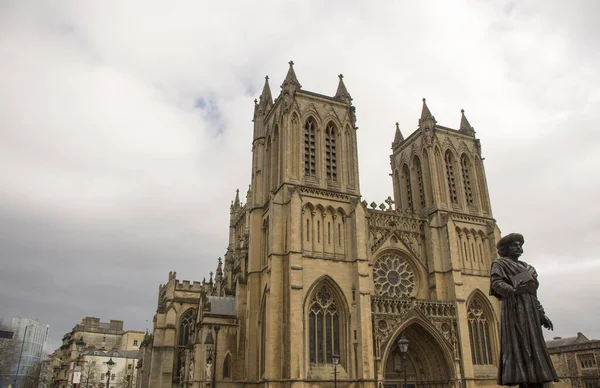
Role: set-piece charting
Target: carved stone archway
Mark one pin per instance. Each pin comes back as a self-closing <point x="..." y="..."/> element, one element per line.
<point x="427" y="364"/>
<point x="429" y="327"/>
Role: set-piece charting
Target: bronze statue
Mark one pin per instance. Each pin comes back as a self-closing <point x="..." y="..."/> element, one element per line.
<point x="524" y="358"/>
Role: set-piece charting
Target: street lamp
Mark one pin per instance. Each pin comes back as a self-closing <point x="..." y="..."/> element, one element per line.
<point x="403" y="345"/>
<point x="109" y="365"/>
<point x="335" y="358"/>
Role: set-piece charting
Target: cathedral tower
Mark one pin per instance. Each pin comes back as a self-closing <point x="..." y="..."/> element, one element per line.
<point x="438" y="174"/>
<point x="308" y="284"/>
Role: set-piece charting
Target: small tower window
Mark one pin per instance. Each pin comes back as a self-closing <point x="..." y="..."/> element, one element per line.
<point x="464" y="164"/>
<point x="419" y="172"/>
<point x="330" y="152"/>
<point x="450" y="177"/>
<point x="407" y="187"/>
<point x="309" y="149"/>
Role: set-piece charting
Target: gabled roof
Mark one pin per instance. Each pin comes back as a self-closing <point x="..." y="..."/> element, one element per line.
<point x="558" y="341"/>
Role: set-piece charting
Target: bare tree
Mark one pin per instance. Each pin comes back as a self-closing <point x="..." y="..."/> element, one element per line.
<point x="91" y="375"/>
<point x="32" y="380"/>
<point x="9" y="352"/>
<point x="126" y="378"/>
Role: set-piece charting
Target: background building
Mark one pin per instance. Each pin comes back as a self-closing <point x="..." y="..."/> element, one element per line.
<point x="576" y="361"/>
<point x="102" y="341"/>
<point x="318" y="285"/>
<point x="31" y="335"/>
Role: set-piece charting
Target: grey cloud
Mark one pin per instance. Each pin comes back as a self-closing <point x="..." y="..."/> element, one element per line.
<point x="112" y="175"/>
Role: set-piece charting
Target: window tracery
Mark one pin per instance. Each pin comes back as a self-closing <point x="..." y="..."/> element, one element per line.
<point x="186" y="329"/>
<point x="330" y="152"/>
<point x="407" y="187"/>
<point x="393" y="276"/>
<point x="479" y="334"/>
<point x="451" y="179"/>
<point x="323" y="326"/>
<point x="464" y="164"/>
<point x="309" y="149"/>
<point x="419" y="172"/>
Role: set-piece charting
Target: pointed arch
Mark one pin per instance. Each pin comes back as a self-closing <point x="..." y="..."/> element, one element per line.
<point x="262" y="323"/>
<point x="268" y="167"/>
<point x="185" y="331"/>
<point x="275" y="167"/>
<point x="340" y="231"/>
<point x="407" y="188"/>
<point x="227" y="366"/>
<point x="427" y="178"/>
<point x="482" y="186"/>
<point x="482" y="323"/>
<point x="419" y="180"/>
<point x="331" y="162"/>
<point x="350" y="160"/>
<point x="439" y="171"/>
<point x="295" y="142"/>
<point x="310" y="147"/>
<point x="449" y="160"/>
<point x="264" y="251"/>
<point x="427" y="343"/>
<point x="466" y="170"/>
<point x="397" y="189"/>
<point x="327" y="313"/>
<point x="308" y="212"/>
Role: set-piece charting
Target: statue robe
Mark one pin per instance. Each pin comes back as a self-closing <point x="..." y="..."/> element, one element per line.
<point x="524" y="357"/>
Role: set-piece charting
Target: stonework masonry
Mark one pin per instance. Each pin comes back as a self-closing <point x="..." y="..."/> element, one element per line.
<point x="313" y="271"/>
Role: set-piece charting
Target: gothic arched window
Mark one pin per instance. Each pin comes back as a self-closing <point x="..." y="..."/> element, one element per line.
<point x="466" y="175"/>
<point x="419" y="172"/>
<point x="309" y="149"/>
<point x="227" y="367"/>
<point x="450" y="176"/>
<point x="186" y="329"/>
<point x="323" y="326"/>
<point x="407" y="187"/>
<point x="330" y="152"/>
<point x="479" y="334"/>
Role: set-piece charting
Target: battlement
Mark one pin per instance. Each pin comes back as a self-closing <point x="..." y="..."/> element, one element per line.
<point x="186" y="285"/>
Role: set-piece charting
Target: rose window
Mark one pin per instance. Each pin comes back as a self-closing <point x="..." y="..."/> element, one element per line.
<point x="393" y="277"/>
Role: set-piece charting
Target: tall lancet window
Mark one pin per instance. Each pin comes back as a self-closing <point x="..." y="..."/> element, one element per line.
<point x="186" y="329"/>
<point x="419" y="172"/>
<point x="330" y="152"/>
<point x="407" y="187"/>
<point x="310" y="161"/>
<point x="323" y="326"/>
<point x="450" y="176"/>
<point x="466" y="174"/>
<point x="479" y="334"/>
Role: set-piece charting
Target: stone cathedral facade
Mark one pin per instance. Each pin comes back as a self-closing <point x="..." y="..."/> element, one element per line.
<point x="312" y="270"/>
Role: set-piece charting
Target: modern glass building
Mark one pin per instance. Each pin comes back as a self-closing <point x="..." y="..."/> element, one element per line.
<point x="31" y="336"/>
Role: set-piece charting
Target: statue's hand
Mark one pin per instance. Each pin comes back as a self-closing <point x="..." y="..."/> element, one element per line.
<point x="521" y="288"/>
<point x="547" y="323"/>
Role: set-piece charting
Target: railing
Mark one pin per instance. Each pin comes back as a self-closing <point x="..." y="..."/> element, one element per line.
<point x="395" y="306"/>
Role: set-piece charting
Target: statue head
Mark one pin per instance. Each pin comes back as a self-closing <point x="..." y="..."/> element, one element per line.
<point x="511" y="245"/>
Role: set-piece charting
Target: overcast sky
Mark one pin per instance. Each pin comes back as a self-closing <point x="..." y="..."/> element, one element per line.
<point x="125" y="128"/>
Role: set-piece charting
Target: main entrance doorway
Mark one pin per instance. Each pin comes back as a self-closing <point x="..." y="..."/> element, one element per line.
<point x="426" y="362"/>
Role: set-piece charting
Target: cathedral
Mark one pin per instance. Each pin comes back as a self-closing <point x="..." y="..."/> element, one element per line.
<point x="319" y="288"/>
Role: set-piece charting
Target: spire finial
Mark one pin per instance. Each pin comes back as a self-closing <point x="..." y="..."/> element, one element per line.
<point x="465" y="126"/>
<point x="290" y="79"/>
<point x="291" y="63"/>
<point x="341" y="92"/>
<point x="266" y="77"/>
<point x="425" y="113"/>
<point x="398" y="138"/>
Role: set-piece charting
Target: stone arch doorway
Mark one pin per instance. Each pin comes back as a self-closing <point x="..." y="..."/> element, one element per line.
<point x="428" y="364"/>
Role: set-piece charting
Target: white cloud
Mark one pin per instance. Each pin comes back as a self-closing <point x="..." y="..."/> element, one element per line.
<point x="112" y="169"/>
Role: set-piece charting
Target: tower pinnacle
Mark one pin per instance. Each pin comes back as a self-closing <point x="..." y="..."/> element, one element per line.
<point x="465" y="126"/>
<point x="342" y="92"/>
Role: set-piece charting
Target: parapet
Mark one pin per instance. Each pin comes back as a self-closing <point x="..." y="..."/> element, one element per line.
<point x="186" y="285"/>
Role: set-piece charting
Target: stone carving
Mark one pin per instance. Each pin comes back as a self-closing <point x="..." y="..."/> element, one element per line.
<point x="209" y="369"/>
<point x="393" y="276"/>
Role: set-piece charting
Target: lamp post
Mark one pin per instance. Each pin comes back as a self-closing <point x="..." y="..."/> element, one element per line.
<point x="403" y="345"/>
<point x="79" y="345"/>
<point x="109" y="365"/>
<point x="335" y="358"/>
